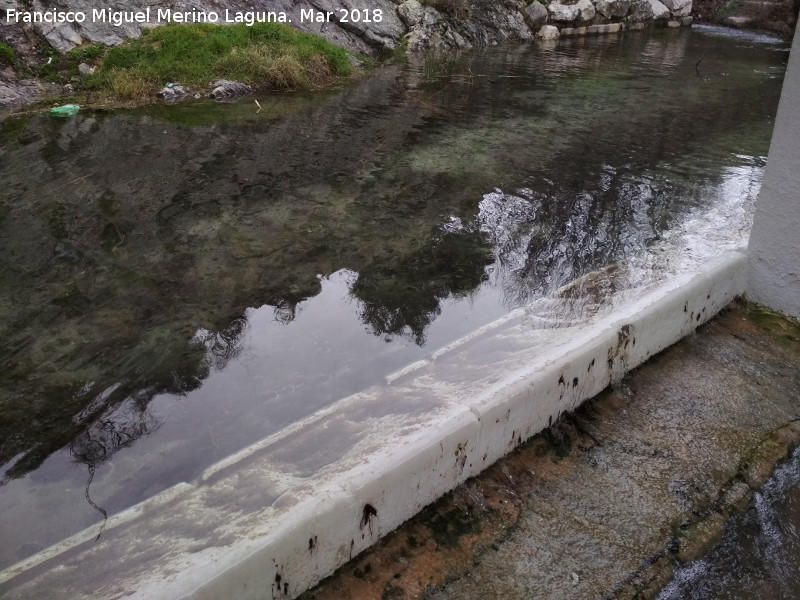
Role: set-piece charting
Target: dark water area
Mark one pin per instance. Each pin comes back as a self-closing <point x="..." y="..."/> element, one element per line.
<point x="177" y="282"/>
<point x="759" y="551"/>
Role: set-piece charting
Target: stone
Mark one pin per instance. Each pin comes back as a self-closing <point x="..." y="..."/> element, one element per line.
<point x="779" y="27"/>
<point x="172" y="92"/>
<point x="660" y="12"/>
<point x="641" y="10"/>
<point x="678" y="8"/>
<point x="224" y="88"/>
<point x="537" y="14"/>
<point x="385" y="33"/>
<point x="411" y="13"/>
<point x="61" y="37"/>
<point x="613" y="9"/>
<point x="66" y="36"/>
<point x="431" y="17"/>
<point x="548" y="32"/>
<point x="739" y="22"/>
<point x="85" y="69"/>
<point x="26" y="90"/>
<point x="439" y="37"/>
<point x="562" y="13"/>
<point x="605" y="28"/>
<point x="586" y="11"/>
<point x="358" y="64"/>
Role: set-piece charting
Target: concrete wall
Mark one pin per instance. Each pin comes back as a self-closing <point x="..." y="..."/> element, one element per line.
<point x="774" y="266"/>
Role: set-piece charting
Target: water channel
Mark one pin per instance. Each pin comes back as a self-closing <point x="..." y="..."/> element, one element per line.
<point x="177" y="282"/>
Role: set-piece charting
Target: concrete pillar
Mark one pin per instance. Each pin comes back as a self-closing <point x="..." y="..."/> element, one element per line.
<point x="774" y="265"/>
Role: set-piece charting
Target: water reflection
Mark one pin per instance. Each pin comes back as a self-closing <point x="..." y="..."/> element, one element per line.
<point x="403" y="297"/>
<point x="204" y="282"/>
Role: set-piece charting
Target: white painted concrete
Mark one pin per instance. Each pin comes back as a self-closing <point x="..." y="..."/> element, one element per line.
<point x="774" y="273"/>
<point x="274" y="519"/>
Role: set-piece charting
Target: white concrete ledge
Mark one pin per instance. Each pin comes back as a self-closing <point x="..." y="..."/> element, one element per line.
<point x="275" y="518"/>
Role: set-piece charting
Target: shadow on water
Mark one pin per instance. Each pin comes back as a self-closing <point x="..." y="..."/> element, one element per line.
<point x="138" y="250"/>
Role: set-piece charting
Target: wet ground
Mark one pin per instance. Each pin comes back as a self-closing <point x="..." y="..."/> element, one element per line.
<point x="637" y="484"/>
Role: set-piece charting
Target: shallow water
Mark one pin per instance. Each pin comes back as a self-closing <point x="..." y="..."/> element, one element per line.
<point x="759" y="551"/>
<point x="178" y="282"/>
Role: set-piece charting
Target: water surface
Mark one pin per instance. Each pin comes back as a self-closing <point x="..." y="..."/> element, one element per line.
<point x="177" y="282"/>
<point x="758" y="553"/>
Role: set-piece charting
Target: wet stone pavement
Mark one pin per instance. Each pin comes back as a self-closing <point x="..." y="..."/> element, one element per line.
<point x="615" y="498"/>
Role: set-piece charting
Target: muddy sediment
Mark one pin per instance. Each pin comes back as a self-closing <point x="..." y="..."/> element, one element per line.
<point x="611" y="500"/>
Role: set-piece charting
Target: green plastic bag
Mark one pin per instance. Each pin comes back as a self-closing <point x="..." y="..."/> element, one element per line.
<point x="68" y="110"/>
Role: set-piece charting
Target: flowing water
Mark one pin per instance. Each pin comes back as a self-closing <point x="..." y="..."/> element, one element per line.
<point x="177" y="282"/>
<point x="759" y="551"/>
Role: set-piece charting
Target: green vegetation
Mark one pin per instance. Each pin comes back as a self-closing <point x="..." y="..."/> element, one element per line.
<point x="6" y="55"/>
<point x="778" y="326"/>
<point x="267" y="55"/>
<point x="728" y="9"/>
<point x="60" y="68"/>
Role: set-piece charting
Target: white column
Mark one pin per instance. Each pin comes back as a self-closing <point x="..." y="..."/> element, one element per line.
<point x="774" y="266"/>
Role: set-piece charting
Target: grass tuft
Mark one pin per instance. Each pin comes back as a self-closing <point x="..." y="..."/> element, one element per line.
<point x="265" y="55"/>
<point x="6" y="55"/>
<point x="127" y="84"/>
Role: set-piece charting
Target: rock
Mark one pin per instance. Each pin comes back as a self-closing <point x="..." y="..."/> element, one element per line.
<point x="358" y="64"/>
<point x="385" y="33"/>
<point x="490" y="22"/>
<point x="357" y="36"/>
<point x="440" y="37"/>
<point x="537" y="14"/>
<point x="223" y="88"/>
<point x="430" y="17"/>
<point x="586" y="11"/>
<point x="613" y="9"/>
<point x="678" y="8"/>
<point x="26" y="90"/>
<point x="62" y="37"/>
<point x="779" y="27"/>
<point x="563" y="13"/>
<point x="641" y="10"/>
<point x="69" y="88"/>
<point x="411" y="13"/>
<point x="739" y="22"/>
<point x="659" y="10"/>
<point x="172" y="92"/>
<point x="548" y="32"/>
<point x="85" y="69"/>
